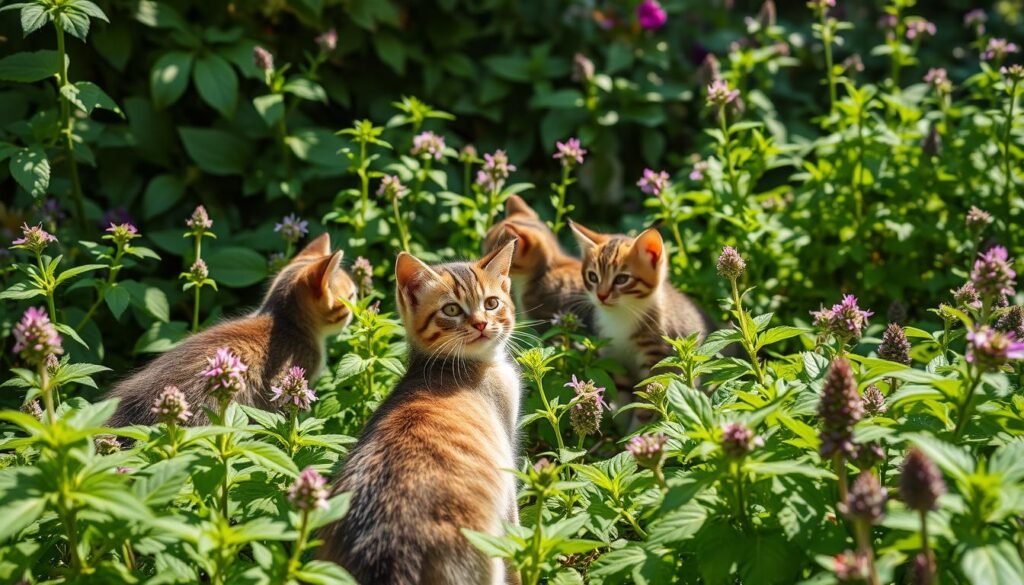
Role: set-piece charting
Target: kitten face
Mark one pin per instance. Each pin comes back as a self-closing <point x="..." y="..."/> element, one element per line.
<point x="536" y="245"/>
<point x="461" y="309"/>
<point x="316" y="281"/>
<point x="620" y="271"/>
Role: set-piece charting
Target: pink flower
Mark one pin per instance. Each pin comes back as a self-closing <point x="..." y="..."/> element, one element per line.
<point x="720" y="94"/>
<point x="428" y="145"/>
<point x="309" y="492"/>
<point x="651" y="15"/>
<point x="225" y="373"/>
<point x="293" y="389"/>
<point x="35" y="337"/>
<point x="496" y="168"/>
<point x="917" y="28"/>
<point x="327" y="40"/>
<point x="570" y="152"/>
<point x="653" y="183"/>
<point x="35" y="239"/>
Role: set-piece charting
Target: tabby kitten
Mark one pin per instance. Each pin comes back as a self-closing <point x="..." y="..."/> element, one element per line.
<point x="436" y="456"/>
<point x="545" y="279"/>
<point x="634" y="303"/>
<point x="289" y="328"/>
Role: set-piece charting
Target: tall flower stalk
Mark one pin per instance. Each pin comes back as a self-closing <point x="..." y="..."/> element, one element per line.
<point x="570" y="154"/>
<point x="198" y="276"/>
<point x="825" y="30"/>
<point x="67" y="126"/>
<point x="121" y="235"/>
<point x="1012" y="76"/>
<point x="731" y="266"/>
<point x="364" y="134"/>
<point x="720" y="98"/>
<point x="392" y="190"/>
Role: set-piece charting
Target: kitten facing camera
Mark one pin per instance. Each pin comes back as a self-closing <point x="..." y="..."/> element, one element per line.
<point x="437" y="455"/>
<point x="289" y="328"/>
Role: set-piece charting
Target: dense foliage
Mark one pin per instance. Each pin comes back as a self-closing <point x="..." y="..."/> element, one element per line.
<point x="866" y="148"/>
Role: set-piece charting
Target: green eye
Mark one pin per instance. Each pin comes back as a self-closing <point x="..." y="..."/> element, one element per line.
<point x="592" y="277"/>
<point x="491" y="303"/>
<point x="451" y="310"/>
<point x="621" y="279"/>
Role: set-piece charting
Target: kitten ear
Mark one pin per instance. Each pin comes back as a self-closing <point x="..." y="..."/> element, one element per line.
<point x="526" y="239"/>
<point x="410" y="274"/>
<point x="320" y="246"/>
<point x="499" y="261"/>
<point x="649" y="246"/>
<point x="319" y="274"/>
<point x="516" y="205"/>
<point x="588" y="239"/>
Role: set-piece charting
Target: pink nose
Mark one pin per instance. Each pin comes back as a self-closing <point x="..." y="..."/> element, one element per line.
<point x="602" y="296"/>
<point x="480" y="326"/>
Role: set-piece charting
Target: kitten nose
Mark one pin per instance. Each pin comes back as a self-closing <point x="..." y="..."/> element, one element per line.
<point x="480" y="325"/>
<point x="603" y="295"/>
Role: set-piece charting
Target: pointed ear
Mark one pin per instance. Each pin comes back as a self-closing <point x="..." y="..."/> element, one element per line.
<point x="320" y="246"/>
<point x="526" y="240"/>
<point x="410" y="275"/>
<point x="499" y="261"/>
<point x="649" y="246"/>
<point x="587" y="239"/>
<point x="516" y="205"/>
<point x="319" y="274"/>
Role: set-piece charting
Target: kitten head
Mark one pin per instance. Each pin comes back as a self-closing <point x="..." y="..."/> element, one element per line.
<point x="312" y="285"/>
<point x="460" y="309"/>
<point x="618" y="269"/>
<point x="536" y="244"/>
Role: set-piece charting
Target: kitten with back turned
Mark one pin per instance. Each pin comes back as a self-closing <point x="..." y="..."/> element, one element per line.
<point x="635" y="305"/>
<point x="437" y="455"/>
<point x="289" y="328"/>
<point x="546" y="279"/>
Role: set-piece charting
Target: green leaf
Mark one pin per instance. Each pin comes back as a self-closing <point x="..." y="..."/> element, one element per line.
<point x="490" y="545"/>
<point x="169" y="78"/>
<point x="77" y="271"/>
<point x="74" y="22"/>
<point x="268" y="457"/>
<point x="31" y="169"/>
<point x="217" y="83"/>
<point x="337" y="507"/>
<point x="117" y="299"/>
<point x="692" y="405"/>
<point x="30" y="67"/>
<point x="390" y="51"/>
<point x="92" y="416"/>
<point x="161" y="482"/>
<point x="678" y="525"/>
<point x="87" y="96"/>
<point x="270" y="107"/>
<point x="237" y="267"/>
<point x="993" y="564"/>
<point x="90" y="9"/>
<point x="777" y="334"/>
<point x="34" y="16"/>
<point x="305" y="89"/>
<point x="951" y="459"/>
<point x="319" y="146"/>
<point x="216" y="151"/>
<point x="324" y="573"/>
<point x="773" y="468"/>
<point x="21" y="291"/>
<point x="162" y="193"/>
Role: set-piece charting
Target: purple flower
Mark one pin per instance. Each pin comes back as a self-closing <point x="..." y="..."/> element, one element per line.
<point x="428" y="145"/>
<point x="991" y="349"/>
<point x="921" y="483"/>
<point x="648" y="450"/>
<point x="468" y="154"/>
<point x="309" y="492"/>
<point x="1012" y="321"/>
<point x="976" y="19"/>
<point x="225" y="374"/>
<point x="697" y="172"/>
<point x="888" y="22"/>
<point x="967" y="296"/>
<point x="122" y="233"/>
<point x="720" y="94"/>
<point x="895" y="346"/>
<point x="977" y="219"/>
<point x="496" y="168"/>
<point x="993" y="274"/>
<point x="327" y="40"/>
<point x="874" y="401"/>
<point x="840" y="408"/>
<point x="171" y="406"/>
<point x="566" y="321"/>
<point x="653" y="183"/>
<point x="33" y="409"/>
<point x="293" y="389"/>
<point x="35" y="337"/>
<point x="292" y="229"/>
<point x="922" y="571"/>
<point x="199" y="271"/>
<point x="850" y="567"/>
<point x="262" y="59"/>
<point x="582" y="68"/>
<point x="738" y="440"/>
<point x="920" y="27"/>
<point x="570" y="153"/>
<point x="938" y="78"/>
<point x="200" y="221"/>
<point x="651" y="15"/>
<point x="997" y="49"/>
<point x="391" y="188"/>
<point x="730" y="264"/>
<point x="845" y="320"/>
<point x="866" y="499"/>
<point x="585" y="415"/>
<point x="362" y="274"/>
<point x="868" y="455"/>
<point x="34" y="239"/>
<point x="1014" y="73"/>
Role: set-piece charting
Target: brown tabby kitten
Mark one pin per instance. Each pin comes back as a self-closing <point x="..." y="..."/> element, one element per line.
<point x="545" y="279"/>
<point x="289" y="329"/>
<point x="436" y="456"/>
<point x="634" y="303"/>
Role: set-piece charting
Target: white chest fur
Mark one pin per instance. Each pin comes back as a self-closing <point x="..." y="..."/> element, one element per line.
<point x="618" y="323"/>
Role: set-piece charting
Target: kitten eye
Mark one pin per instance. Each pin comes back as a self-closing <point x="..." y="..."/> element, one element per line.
<point x="621" y="279"/>
<point x="491" y="303"/>
<point x="452" y="310"/>
<point x="592" y="277"/>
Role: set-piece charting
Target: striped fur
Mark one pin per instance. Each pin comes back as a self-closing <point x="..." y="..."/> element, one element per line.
<point x="436" y="456"/>
<point x="545" y="278"/>
<point x="288" y="329"/>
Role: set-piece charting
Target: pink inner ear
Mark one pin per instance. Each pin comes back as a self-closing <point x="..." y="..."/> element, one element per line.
<point x="654" y="251"/>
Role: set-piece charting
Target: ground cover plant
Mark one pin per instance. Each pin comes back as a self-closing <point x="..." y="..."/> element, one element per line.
<point x="838" y="182"/>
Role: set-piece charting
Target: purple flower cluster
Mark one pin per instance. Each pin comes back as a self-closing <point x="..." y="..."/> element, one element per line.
<point x="874" y="401"/>
<point x="1012" y="321"/>
<point x="200" y="221"/>
<point x="844" y="320"/>
<point x="292" y="389"/>
<point x="34" y="239"/>
<point x="997" y="49"/>
<point x="1014" y="73"/>
<point x="35" y="337"/>
<point x="730" y="264"/>
<point x="362" y="274"/>
<point x="991" y="349"/>
<point x="967" y="296"/>
<point x="570" y="152"/>
<point x="199" y="271"/>
<point x="938" y="78"/>
<point x="122" y="233"/>
<point x="585" y="415"/>
<point x="262" y="59"/>
<point x="496" y="168"/>
<point x="566" y="321"/>
<point x="327" y="40"/>
<point x="977" y="219"/>
<point x="391" y="188"/>
<point x="840" y="408"/>
<point x="976" y="19"/>
<point x="993" y="274"/>
<point x="171" y="406"/>
<point x="291" y="228"/>
<point x="720" y="94"/>
<point x="895" y="346"/>
<point x="921" y="483"/>
<point x="697" y="172"/>
<point x="653" y="183"/>
<point x="309" y="492"/>
<point x="225" y="373"/>
<point x="919" y="28"/>
<point x="866" y="499"/>
<point x="428" y="145"/>
<point x="651" y="15"/>
<point x="738" y="440"/>
<point x="648" y="450"/>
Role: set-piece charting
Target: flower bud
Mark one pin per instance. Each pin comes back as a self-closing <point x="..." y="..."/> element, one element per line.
<point x="921" y="482"/>
<point x="865" y="500"/>
<point x="839" y="408"/>
<point x="171" y="406"/>
<point x="730" y="264"/>
<point x="309" y="492"/>
<point x="35" y="337"/>
<point x="895" y="346"/>
<point x="648" y="450"/>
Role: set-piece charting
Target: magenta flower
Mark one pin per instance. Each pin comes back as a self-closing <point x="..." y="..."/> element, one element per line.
<point x="844" y="320"/>
<point x="720" y="94"/>
<point x="428" y="145"/>
<point x="840" y="408"/>
<point x="976" y="19"/>
<point x="262" y="59"/>
<point x="200" y="221"/>
<point x="585" y="416"/>
<point x="738" y="440"/>
<point x="648" y="450"/>
<point x="225" y="373"/>
<point x="730" y="264"/>
<point x="292" y="389"/>
<point x="35" y="337"/>
<point x="292" y="229"/>
<point x="34" y="239"/>
<point x="991" y="349"/>
<point x="938" y="79"/>
<point x="171" y="406"/>
<point x="309" y="492"/>
<point x="697" y="172"/>
<point x="122" y="233"/>
<point x="997" y="49"/>
<point x="391" y="188"/>
<point x="327" y="40"/>
<point x="653" y="183"/>
<point x="967" y="296"/>
<point x="921" y="482"/>
<point x="919" y="28"/>
<point x="496" y="168"/>
<point x="570" y="153"/>
<point x="651" y="15"/>
<point x="874" y="401"/>
<point x="993" y="274"/>
<point x="866" y="499"/>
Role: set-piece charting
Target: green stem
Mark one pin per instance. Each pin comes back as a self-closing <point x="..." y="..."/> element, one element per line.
<point x="300" y="544"/>
<point x="965" y="408"/>
<point x="44" y="387"/>
<point x="826" y="40"/>
<point x="403" y="233"/>
<point x="195" y="310"/>
<point x="67" y="128"/>
<point x="659" y="476"/>
<point x="492" y="208"/>
<point x="364" y="190"/>
<point x="748" y="336"/>
<point x="69" y="517"/>
<point x="741" y="498"/>
<point x="925" y="546"/>
<point x="551" y="416"/>
<point x="723" y="121"/>
<point x="1007" y="170"/>
<point x="680" y="248"/>
<point x="863" y="531"/>
<point x="840" y="465"/>
<point x="536" y="541"/>
<point x="560" y="210"/>
<point x="115" y="267"/>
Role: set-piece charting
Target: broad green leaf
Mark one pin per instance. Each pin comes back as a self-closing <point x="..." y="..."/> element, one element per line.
<point x="951" y="459"/>
<point x="162" y="193"/>
<point x="236" y="267"/>
<point x="169" y="78"/>
<point x="30" y="67"/>
<point x="269" y="457"/>
<point x="87" y="96"/>
<point x="324" y="573"/>
<point x="216" y="151"/>
<point x="217" y="83"/>
<point x="993" y="564"/>
<point x="31" y="169"/>
<point x="270" y="107"/>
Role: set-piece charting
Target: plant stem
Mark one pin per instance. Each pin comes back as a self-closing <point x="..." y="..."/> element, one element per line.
<point x="537" y="541"/>
<point x="300" y="544"/>
<point x="826" y="40"/>
<point x="925" y="546"/>
<point x="1007" y="170"/>
<point x="840" y="465"/>
<point x="748" y="336"/>
<point x="560" y="210"/>
<point x="863" y="531"/>
<point x="552" y="418"/>
<point x="115" y="267"/>
<point x="741" y="498"/>
<point x="403" y="234"/>
<point x="680" y="248"/>
<point x="67" y="128"/>
<point x="44" y="387"/>
<point x="364" y="189"/>
<point x="965" y="408"/>
<point x="723" y="121"/>
<point x="195" y="303"/>
<point x="492" y="208"/>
